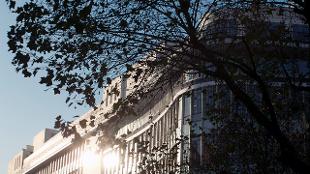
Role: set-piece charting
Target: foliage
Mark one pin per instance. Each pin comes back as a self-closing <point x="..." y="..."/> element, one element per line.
<point x="79" y="46"/>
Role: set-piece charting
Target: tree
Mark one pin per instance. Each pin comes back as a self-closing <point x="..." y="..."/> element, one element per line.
<point x="78" y="46"/>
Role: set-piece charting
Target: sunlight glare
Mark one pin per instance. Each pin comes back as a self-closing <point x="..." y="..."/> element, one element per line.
<point x="90" y="158"/>
<point x="110" y="160"/>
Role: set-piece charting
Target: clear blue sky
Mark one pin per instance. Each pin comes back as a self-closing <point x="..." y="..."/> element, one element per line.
<point x="25" y="108"/>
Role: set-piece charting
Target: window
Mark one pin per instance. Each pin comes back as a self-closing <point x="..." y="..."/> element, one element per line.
<point x="208" y="100"/>
<point x="187" y="105"/>
<point x="222" y="28"/>
<point x="195" y="152"/>
<point x="196" y="102"/>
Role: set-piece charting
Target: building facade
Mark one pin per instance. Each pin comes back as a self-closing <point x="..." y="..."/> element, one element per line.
<point x="168" y="138"/>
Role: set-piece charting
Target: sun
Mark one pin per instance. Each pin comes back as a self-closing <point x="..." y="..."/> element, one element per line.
<point x="90" y="158"/>
<point x="110" y="159"/>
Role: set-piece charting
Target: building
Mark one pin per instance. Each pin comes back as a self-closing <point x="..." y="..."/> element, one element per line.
<point x="16" y="164"/>
<point x="166" y="134"/>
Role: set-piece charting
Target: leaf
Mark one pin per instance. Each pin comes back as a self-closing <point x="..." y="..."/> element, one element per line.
<point x="58" y="117"/>
<point x="92" y="123"/>
<point x="12" y="4"/>
<point x="56" y="91"/>
<point x="57" y="124"/>
<point x="129" y="67"/>
<point x="58" y="121"/>
<point x="85" y="11"/>
<point x="90" y="100"/>
<point x="83" y="123"/>
<point x="21" y="59"/>
<point x="26" y="73"/>
<point x="67" y="100"/>
<point x="123" y="24"/>
<point x="92" y="117"/>
<point x="109" y="80"/>
<point x="103" y="70"/>
<point x="70" y="104"/>
<point x="48" y="79"/>
<point x="80" y="102"/>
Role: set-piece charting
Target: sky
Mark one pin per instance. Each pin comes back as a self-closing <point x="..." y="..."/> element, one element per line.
<point x="25" y="107"/>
